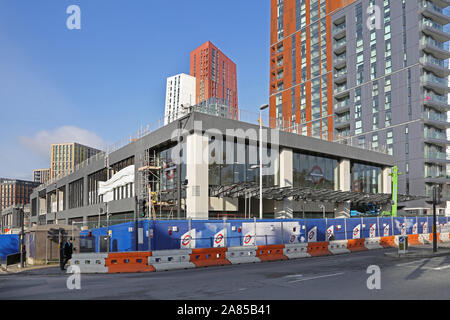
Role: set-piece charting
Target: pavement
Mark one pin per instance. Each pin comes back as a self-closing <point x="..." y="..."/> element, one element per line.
<point x="338" y="277"/>
<point x="425" y="251"/>
<point x="18" y="269"/>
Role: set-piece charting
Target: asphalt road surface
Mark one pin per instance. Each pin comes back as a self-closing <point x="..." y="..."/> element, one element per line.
<point x="334" y="277"/>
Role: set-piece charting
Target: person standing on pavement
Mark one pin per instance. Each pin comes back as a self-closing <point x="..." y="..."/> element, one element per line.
<point x="61" y="255"/>
<point x="67" y="250"/>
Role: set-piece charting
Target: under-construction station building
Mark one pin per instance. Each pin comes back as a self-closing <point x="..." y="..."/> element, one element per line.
<point x="203" y="166"/>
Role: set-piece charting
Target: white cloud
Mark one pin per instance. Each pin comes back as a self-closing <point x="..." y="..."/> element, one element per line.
<point x="41" y="141"/>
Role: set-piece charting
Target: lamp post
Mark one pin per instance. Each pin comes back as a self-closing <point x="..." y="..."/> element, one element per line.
<point x="263" y="107"/>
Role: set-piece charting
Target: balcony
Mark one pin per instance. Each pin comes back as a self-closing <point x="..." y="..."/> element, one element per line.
<point x="340" y="62"/>
<point x="342" y="106"/>
<point x="441" y="3"/>
<point x="438" y="120"/>
<point x="340" y="76"/>
<point x="341" y="91"/>
<point x="340" y="46"/>
<point x="434" y="156"/>
<point x="434" y="12"/>
<point x="438" y="49"/>
<point x="342" y="121"/>
<point x="436" y="137"/>
<point x="439" y="85"/>
<point x="339" y="31"/>
<point x="436" y="101"/>
<point x="437" y="66"/>
<point x="438" y="180"/>
<point x="435" y="30"/>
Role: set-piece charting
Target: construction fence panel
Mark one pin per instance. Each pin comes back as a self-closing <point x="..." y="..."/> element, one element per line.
<point x="371" y="228"/>
<point x="386" y="227"/>
<point x="335" y="229"/>
<point x="9" y="244"/>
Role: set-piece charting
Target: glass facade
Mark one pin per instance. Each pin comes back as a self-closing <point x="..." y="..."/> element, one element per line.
<point x="241" y="165"/>
<point x="169" y="175"/>
<point x="315" y="171"/>
<point x="366" y="178"/>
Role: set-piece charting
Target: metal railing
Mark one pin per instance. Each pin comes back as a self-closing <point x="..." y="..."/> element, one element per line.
<point x="436" y="155"/>
<point x="435" y="135"/>
<point x="428" y="96"/>
<point x="434" y="61"/>
<point x="339" y="28"/>
<point x="429" y="77"/>
<point x="435" y="116"/>
<point x="430" y="41"/>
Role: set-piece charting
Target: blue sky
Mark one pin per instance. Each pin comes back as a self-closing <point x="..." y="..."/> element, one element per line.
<point x="101" y="83"/>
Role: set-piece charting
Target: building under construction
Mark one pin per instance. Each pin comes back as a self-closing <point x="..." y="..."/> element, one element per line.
<point x="306" y="177"/>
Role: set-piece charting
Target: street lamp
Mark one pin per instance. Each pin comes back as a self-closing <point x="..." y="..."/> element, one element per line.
<point x="263" y="107"/>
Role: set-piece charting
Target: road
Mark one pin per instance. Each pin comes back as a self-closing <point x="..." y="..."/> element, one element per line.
<point x="334" y="277"/>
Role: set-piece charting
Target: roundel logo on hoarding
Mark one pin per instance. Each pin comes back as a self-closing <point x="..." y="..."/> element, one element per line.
<point x="219" y="238"/>
<point x="185" y="241"/>
<point x="372" y="227"/>
<point x="247" y="239"/>
<point x="311" y="235"/>
<point x="316" y="174"/>
<point x="355" y="232"/>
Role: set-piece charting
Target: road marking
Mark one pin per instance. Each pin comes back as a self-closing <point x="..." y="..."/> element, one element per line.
<point x="294" y="276"/>
<point x="318" y="277"/>
<point x="437" y="268"/>
<point x="408" y="263"/>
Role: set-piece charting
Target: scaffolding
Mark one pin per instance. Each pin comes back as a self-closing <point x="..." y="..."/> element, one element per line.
<point x="151" y="168"/>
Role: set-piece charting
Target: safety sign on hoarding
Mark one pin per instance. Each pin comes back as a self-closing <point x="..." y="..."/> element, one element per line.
<point x="249" y="240"/>
<point x="372" y="230"/>
<point x="187" y="240"/>
<point x="219" y="239"/>
<point x="330" y="233"/>
<point x="357" y="232"/>
<point x="425" y="227"/>
<point x="403" y="229"/>
<point x="312" y="235"/>
<point x="386" y="231"/>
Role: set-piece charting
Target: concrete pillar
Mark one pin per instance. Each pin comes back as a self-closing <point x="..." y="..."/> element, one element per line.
<point x="386" y="180"/>
<point x="344" y="175"/>
<point x="284" y="209"/>
<point x="85" y="191"/>
<point x="61" y="201"/>
<point x="197" y="197"/>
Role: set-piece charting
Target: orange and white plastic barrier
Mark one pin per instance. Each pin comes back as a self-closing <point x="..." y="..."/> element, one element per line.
<point x="90" y="262"/>
<point x="388" y="242"/>
<point x="444" y="237"/>
<point x="372" y="243"/>
<point x="317" y="249"/>
<point x="271" y="252"/>
<point x="164" y="260"/>
<point x="239" y="255"/>
<point x="413" y="240"/>
<point x="126" y="262"/>
<point x="338" y="247"/>
<point x="356" y="245"/>
<point x="424" y="238"/>
<point x="296" y="251"/>
<point x="209" y="257"/>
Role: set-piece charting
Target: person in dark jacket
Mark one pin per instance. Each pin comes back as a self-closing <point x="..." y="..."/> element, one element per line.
<point x="67" y="250"/>
<point x="61" y="255"/>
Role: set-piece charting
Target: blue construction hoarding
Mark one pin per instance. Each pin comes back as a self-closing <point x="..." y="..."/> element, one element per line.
<point x="9" y="244"/>
<point x="176" y="234"/>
